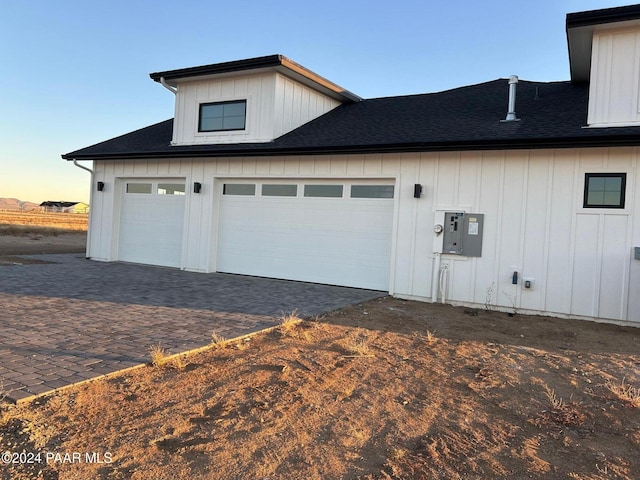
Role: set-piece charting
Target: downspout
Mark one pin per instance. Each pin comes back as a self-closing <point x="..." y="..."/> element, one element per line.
<point x="173" y="90"/>
<point x="167" y="86"/>
<point x="75" y="162"/>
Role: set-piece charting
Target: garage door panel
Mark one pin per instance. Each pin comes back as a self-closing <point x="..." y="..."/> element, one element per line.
<point x="340" y="241"/>
<point x="329" y="271"/>
<point x="311" y="218"/>
<point x="151" y="227"/>
<point x="280" y="244"/>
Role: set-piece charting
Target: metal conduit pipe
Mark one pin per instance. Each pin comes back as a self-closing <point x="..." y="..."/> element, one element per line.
<point x="444" y="276"/>
<point x="435" y="278"/>
<point x="91" y="188"/>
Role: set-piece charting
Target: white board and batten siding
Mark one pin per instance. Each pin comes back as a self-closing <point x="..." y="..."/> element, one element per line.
<point x="581" y="260"/>
<point x="614" y="89"/>
<point x="275" y="105"/>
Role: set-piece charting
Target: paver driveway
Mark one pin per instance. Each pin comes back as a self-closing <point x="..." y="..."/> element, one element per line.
<point x="69" y="319"/>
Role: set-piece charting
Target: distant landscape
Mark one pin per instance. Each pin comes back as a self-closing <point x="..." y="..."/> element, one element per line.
<point x="13" y="204"/>
<point x="18" y="217"/>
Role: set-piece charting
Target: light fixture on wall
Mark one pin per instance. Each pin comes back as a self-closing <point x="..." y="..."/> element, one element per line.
<point x="100" y="186"/>
<point x="417" y="190"/>
<point x="197" y="186"/>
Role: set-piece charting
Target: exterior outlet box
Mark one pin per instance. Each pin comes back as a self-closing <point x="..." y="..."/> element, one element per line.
<point x="462" y="234"/>
<point x="636" y="253"/>
<point x="527" y="283"/>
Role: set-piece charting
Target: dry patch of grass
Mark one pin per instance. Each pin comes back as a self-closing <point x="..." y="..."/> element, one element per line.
<point x="625" y="392"/>
<point x="161" y="358"/>
<point x="23" y="224"/>
<point x="555" y="402"/>
<point x="180" y="362"/>
<point x="357" y="344"/>
<point x="158" y="356"/>
<point x="217" y="341"/>
<point x="288" y="323"/>
<point x="293" y="326"/>
<point x="430" y="337"/>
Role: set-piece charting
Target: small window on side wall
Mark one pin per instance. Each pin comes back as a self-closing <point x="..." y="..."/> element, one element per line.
<point x="604" y="190"/>
<point x="222" y="116"/>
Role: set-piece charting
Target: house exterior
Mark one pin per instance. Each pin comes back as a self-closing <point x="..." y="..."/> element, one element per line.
<point x="511" y="194"/>
<point x="65" y="207"/>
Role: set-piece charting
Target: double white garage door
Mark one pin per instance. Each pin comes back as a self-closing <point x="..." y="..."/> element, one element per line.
<point x="333" y="232"/>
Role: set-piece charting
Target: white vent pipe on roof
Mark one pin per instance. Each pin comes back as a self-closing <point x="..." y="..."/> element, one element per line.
<point x="511" y="115"/>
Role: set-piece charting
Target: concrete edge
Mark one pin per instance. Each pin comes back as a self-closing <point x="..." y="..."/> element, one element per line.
<point x="124" y="371"/>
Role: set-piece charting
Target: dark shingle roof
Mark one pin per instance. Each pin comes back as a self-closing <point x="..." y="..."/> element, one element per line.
<point x="58" y="204"/>
<point x="552" y="115"/>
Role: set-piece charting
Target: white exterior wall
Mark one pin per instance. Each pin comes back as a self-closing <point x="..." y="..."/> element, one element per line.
<point x="275" y="105"/>
<point x="615" y="78"/>
<point x="296" y="104"/>
<point x="581" y="259"/>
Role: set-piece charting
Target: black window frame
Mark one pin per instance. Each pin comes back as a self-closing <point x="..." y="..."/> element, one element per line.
<point x="623" y="188"/>
<point x="228" y="102"/>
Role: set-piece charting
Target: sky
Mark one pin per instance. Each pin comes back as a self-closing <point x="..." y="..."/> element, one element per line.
<point x="76" y="72"/>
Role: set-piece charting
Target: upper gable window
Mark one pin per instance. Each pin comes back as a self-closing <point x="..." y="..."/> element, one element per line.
<point x="604" y="190"/>
<point x="222" y="116"/>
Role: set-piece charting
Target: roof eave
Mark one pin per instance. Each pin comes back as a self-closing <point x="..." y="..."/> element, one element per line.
<point x="541" y="143"/>
<point x="277" y="62"/>
<point x="603" y="16"/>
<point x="224" y="67"/>
<point x="580" y="27"/>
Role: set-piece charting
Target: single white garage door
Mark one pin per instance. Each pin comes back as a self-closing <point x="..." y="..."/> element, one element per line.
<point x="151" y="221"/>
<point x="333" y="232"/>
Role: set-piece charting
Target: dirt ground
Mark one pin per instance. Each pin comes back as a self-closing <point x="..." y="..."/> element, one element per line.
<point x="35" y="233"/>
<point x="389" y="389"/>
<point x="37" y="243"/>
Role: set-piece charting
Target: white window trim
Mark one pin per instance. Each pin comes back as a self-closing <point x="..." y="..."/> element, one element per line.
<point x="582" y="210"/>
<point x="225" y="133"/>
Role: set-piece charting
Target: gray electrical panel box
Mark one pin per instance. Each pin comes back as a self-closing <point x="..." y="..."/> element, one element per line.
<point x="463" y="234"/>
